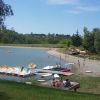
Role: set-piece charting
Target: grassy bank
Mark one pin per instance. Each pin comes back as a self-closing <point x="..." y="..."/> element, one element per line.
<point x="37" y="45"/>
<point x="88" y="84"/>
<point x="20" y="91"/>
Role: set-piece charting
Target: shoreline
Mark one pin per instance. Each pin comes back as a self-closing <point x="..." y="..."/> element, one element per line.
<point x="23" y="47"/>
<point x="83" y="66"/>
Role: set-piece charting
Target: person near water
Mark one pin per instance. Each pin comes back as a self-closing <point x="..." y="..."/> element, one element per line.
<point x="78" y="63"/>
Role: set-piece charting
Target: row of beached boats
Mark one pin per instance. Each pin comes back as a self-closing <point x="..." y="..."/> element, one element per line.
<point x="17" y="70"/>
<point x="31" y="69"/>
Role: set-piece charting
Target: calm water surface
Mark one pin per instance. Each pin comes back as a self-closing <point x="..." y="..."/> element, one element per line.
<point x="24" y="56"/>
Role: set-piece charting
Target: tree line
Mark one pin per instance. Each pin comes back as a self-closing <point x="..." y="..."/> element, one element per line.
<point x="12" y="37"/>
<point x="90" y="41"/>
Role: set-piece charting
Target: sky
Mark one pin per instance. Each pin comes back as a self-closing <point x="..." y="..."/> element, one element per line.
<point x="54" y="16"/>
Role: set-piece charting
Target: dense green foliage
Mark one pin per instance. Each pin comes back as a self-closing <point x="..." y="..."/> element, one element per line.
<point x="97" y="39"/>
<point x="12" y="37"/>
<point x="88" y="40"/>
<point x="92" y="40"/>
<point x="76" y="40"/>
<point x="20" y="91"/>
<point x="5" y="10"/>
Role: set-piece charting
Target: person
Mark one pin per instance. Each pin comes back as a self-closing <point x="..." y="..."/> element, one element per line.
<point x="57" y="83"/>
<point x="78" y="63"/>
<point x="53" y="82"/>
<point x="84" y="62"/>
<point x="67" y="83"/>
<point x="61" y="82"/>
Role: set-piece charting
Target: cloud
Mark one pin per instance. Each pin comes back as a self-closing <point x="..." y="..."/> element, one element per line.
<point x="82" y="9"/>
<point x="76" y="6"/>
<point x="63" y="2"/>
<point x="88" y="8"/>
<point x="74" y="12"/>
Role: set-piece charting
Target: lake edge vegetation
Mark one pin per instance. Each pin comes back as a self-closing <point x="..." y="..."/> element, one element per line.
<point x="90" y="41"/>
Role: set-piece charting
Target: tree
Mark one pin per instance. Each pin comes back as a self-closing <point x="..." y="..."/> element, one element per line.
<point x="96" y="32"/>
<point x="69" y="42"/>
<point x="76" y="39"/>
<point x="5" y="10"/>
<point x="88" y="42"/>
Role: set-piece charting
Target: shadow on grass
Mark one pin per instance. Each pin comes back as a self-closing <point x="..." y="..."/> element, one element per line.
<point x="4" y="96"/>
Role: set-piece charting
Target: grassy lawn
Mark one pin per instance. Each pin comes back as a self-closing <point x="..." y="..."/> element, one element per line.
<point x="19" y="91"/>
<point x="88" y="84"/>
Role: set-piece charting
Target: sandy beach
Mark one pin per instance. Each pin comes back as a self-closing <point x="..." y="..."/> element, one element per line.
<point x="91" y="66"/>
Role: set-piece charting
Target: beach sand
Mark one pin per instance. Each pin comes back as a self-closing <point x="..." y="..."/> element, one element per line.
<point x="84" y="66"/>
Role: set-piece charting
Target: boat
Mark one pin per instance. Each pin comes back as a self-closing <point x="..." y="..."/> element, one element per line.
<point x="61" y="69"/>
<point x="16" y="70"/>
<point x="48" y="67"/>
<point x="57" y="68"/>
<point x="31" y="65"/>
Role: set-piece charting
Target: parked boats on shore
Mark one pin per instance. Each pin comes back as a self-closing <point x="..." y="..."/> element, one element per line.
<point x="30" y="69"/>
<point x="17" y="70"/>
<point x="58" y="67"/>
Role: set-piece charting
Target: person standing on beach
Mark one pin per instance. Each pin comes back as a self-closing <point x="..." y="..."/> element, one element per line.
<point x="78" y="63"/>
<point x="84" y="62"/>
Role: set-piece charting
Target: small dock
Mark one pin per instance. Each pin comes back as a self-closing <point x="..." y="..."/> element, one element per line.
<point x="56" y="72"/>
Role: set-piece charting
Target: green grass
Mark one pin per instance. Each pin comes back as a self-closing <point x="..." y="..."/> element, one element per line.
<point x="88" y="84"/>
<point x="62" y="50"/>
<point x="19" y="91"/>
<point x="37" y="45"/>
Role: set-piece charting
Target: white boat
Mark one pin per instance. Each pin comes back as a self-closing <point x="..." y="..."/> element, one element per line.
<point x="56" y="76"/>
<point x="44" y="74"/>
<point x="48" y="67"/>
<point x="88" y="71"/>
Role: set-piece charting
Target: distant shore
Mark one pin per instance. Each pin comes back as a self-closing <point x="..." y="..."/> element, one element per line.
<point x="84" y="66"/>
<point x="22" y="47"/>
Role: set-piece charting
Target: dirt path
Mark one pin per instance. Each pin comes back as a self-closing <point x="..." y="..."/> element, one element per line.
<point x="82" y="64"/>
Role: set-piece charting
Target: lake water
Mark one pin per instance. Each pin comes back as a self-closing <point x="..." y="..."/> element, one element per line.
<point x="24" y="56"/>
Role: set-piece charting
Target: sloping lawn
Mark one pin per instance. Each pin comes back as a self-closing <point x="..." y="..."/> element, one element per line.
<point x="88" y="84"/>
<point x="20" y="91"/>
